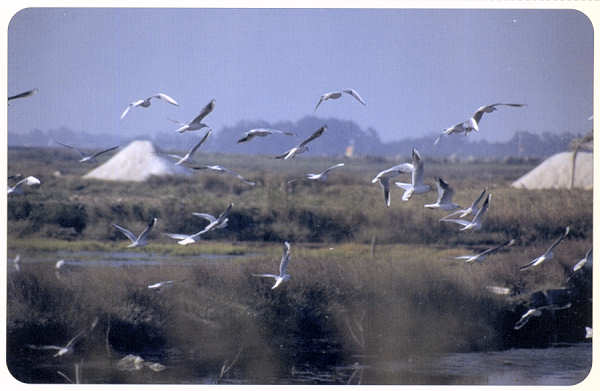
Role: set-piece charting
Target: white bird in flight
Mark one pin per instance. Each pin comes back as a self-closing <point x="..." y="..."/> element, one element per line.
<point x="416" y="186"/>
<point x="338" y="94"/>
<point x="546" y="255"/>
<point x="147" y="101"/>
<point x="160" y="284"/>
<point x="526" y="316"/>
<point x="482" y="255"/>
<point x="214" y="223"/>
<point x="488" y="109"/>
<point x="84" y="157"/>
<point x="61" y="350"/>
<point x="188" y="156"/>
<point x="29" y="181"/>
<point x="463" y="127"/>
<point x="219" y="168"/>
<point x="283" y="275"/>
<point x="323" y="175"/>
<point x="444" y="200"/>
<point x="301" y="148"/>
<point x="261" y="132"/>
<point x="473" y="209"/>
<point x="477" y="221"/>
<point x="587" y="260"/>
<point x="386" y="175"/>
<point x="137" y="241"/>
<point x="196" y="123"/>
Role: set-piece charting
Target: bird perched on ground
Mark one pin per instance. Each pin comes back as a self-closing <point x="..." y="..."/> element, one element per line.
<point x="444" y="200"/>
<point x="25" y="94"/>
<point x="214" y="223"/>
<point x="84" y="157"/>
<point x="474" y="120"/>
<point x="261" y="132"/>
<point x="219" y="168"/>
<point x="546" y="255"/>
<point x="416" y="186"/>
<point x="301" y="148"/>
<point x="147" y="101"/>
<point x="196" y="123"/>
<point x="188" y="156"/>
<point x="29" y="181"/>
<point x="137" y="241"/>
<point x="482" y="255"/>
<point x="283" y="275"/>
<point x="338" y="94"/>
<point x="477" y="221"/>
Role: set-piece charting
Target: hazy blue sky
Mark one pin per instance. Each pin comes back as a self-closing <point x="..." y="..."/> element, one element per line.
<point x="419" y="70"/>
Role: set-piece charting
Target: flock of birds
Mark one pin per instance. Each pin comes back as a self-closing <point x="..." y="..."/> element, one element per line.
<point x="415" y="168"/>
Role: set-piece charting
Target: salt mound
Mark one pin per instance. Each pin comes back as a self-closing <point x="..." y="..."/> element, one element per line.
<point x="136" y="162"/>
<point x="555" y="173"/>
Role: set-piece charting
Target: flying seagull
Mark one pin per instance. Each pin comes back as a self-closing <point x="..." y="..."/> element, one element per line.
<point x="526" y="316"/>
<point x="283" y="275"/>
<point x="444" y="200"/>
<point x="488" y="109"/>
<point x="147" y="101"/>
<point x="214" y="223"/>
<point x="17" y="262"/>
<point x="463" y="127"/>
<point x="218" y="168"/>
<point x="473" y="209"/>
<point x="301" y="148"/>
<point x="548" y="254"/>
<point x="416" y="186"/>
<point x="25" y="94"/>
<point x="29" y="181"/>
<point x="587" y="260"/>
<point x="183" y="159"/>
<point x="384" y="177"/>
<point x="140" y="240"/>
<point x="196" y="123"/>
<point x="482" y="255"/>
<point x="261" y="132"/>
<point x="160" y="284"/>
<point x="61" y="350"/>
<point x="338" y="94"/>
<point x="477" y="220"/>
<point x="323" y="175"/>
<point x="84" y="157"/>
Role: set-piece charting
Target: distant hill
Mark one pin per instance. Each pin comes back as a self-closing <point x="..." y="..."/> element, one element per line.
<point x="339" y="135"/>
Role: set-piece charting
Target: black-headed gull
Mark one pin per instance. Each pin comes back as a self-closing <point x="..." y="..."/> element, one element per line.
<point x="161" y="284"/>
<point x="585" y="261"/>
<point x="84" y="157"/>
<point x="29" y="181"/>
<point x="219" y="168"/>
<point x="526" y="316"/>
<point x="147" y="101"/>
<point x="283" y="275"/>
<point x="482" y="255"/>
<point x="214" y="223"/>
<point x="474" y="120"/>
<point x="137" y="241"/>
<point x="61" y="350"/>
<point x="188" y="156"/>
<point x="262" y="132"/>
<point x="25" y="94"/>
<point x="338" y="94"/>
<point x="546" y="255"/>
<point x="589" y="333"/>
<point x="322" y="176"/>
<point x="473" y="209"/>
<point x="301" y="148"/>
<point x="477" y="221"/>
<point x="416" y="186"/>
<point x="386" y="175"/>
<point x="197" y="123"/>
<point x="17" y="262"/>
<point x="463" y="127"/>
<point x="444" y="200"/>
